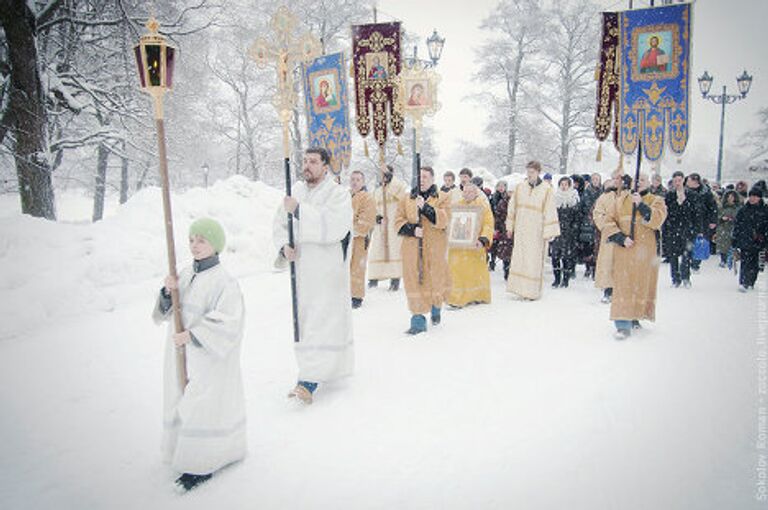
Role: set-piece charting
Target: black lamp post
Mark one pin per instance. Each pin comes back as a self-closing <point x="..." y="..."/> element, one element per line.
<point x="744" y="82"/>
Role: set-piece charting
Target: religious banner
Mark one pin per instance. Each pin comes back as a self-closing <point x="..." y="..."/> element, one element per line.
<point x="608" y="79"/>
<point x="418" y="93"/>
<point x="653" y="94"/>
<point x="325" y="93"/>
<point x="376" y="60"/>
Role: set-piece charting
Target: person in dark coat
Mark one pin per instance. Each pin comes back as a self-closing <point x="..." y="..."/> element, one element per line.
<point x="706" y="211"/>
<point x="502" y="244"/>
<point x="501" y="191"/>
<point x="562" y="249"/>
<point x="725" y="218"/>
<point x="679" y="230"/>
<point x="750" y="233"/>
<point x="587" y="253"/>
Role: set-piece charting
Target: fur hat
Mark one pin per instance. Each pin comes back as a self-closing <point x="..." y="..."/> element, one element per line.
<point x="212" y="232"/>
<point x="756" y="191"/>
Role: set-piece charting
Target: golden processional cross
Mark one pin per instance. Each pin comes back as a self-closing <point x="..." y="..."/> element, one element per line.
<point x="286" y="52"/>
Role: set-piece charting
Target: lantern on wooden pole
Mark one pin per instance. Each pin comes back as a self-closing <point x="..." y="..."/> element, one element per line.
<point x="155" y="61"/>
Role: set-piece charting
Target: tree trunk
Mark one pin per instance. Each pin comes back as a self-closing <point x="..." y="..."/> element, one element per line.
<point x="26" y="114"/>
<point x="512" y="93"/>
<point x="102" y="158"/>
<point x="123" y="176"/>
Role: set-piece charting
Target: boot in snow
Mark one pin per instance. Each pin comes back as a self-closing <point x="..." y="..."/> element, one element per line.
<point x="418" y="325"/>
<point x="188" y="481"/>
<point x="394" y="284"/>
<point x="435" y="316"/>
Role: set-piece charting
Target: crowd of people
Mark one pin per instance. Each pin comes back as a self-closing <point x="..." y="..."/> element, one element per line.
<point x="442" y="243"/>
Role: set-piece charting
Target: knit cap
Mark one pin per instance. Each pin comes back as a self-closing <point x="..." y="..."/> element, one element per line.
<point x="212" y="232"/>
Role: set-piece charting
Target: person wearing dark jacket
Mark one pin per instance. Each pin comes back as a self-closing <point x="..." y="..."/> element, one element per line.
<point x="502" y="244"/>
<point x="587" y="235"/>
<point x="706" y="211"/>
<point x="725" y="217"/>
<point x="679" y="230"/>
<point x="749" y="237"/>
<point x="562" y="249"/>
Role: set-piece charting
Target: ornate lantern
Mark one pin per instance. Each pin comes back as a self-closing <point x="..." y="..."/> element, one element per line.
<point x="155" y="60"/>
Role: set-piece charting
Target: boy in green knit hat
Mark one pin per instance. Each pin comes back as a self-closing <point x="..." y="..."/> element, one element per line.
<point x="204" y="426"/>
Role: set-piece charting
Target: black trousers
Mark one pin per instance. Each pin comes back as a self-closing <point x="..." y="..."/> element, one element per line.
<point x="750" y="266"/>
<point x="680" y="267"/>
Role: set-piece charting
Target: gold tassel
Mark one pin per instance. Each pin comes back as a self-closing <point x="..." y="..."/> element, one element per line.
<point x="365" y="145"/>
<point x="399" y="148"/>
<point x="599" y="157"/>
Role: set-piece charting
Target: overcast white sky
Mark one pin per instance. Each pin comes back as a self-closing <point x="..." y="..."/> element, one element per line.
<point x="728" y="36"/>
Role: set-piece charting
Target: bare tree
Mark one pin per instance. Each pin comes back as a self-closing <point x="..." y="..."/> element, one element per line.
<point x="565" y="98"/>
<point x="518" y="29"/>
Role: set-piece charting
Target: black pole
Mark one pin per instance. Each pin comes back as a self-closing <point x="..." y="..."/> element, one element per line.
<point x="635" y="184"/>
<point x="417" y="165"/>
<point x="294" y="295"/>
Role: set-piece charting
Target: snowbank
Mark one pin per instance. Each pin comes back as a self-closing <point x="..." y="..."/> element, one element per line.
<point x="53" y="270"/>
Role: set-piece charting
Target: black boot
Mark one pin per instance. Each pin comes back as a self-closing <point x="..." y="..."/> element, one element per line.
<point x="566" y="277"/>
<point x="357" y="302"/>
<point x="373" y="283"/>
<point x="394" y="284"/>
<point x="188" y="481"/>
<point x="506" y="270"/>
<point x="556" y="283"/>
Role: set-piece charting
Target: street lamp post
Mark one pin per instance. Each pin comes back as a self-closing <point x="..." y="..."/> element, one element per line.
<point x="435" y="45"/>
<point x="744" y="82"/>
<point x="205" y="169"/>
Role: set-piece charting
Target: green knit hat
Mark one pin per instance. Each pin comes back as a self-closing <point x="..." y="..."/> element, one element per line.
<point x="212" y="232"/>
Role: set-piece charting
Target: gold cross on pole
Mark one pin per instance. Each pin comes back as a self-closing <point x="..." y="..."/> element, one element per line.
<point x="285" y="51"/>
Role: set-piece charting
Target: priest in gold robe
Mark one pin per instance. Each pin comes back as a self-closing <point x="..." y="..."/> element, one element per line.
<point x="470" y="279"/>
<point x="363" y="220"/>
<point x="384" y="262"/>
<point x="635" y="259"/>
<point x="532" y="220"/>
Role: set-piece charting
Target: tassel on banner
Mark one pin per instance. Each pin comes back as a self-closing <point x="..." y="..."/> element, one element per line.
<point x="599" y="157"/>
<point x="399" y="148"/>
<point x="365" y="146"/>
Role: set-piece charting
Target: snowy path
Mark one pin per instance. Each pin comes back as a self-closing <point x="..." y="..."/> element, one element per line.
<point x="511" y="405"/>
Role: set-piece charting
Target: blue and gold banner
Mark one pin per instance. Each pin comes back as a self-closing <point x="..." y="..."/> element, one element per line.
<point x="653" y="95"/>
<point x="325" y="91"/>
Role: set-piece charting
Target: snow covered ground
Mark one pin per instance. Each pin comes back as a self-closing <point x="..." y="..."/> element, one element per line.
<point x="508" y="405"/>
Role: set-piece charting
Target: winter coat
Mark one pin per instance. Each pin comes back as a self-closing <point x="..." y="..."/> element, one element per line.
<point x="635" y="269"/>
<point x="433" y="218"/>
<point x="726" y="217"/>
<point x="587" y="234"/>
<point x="363" y="221"/>
<point x="569" y="216"/>
<point x="502" y="245"/>
<point x="532" y="217"/>
<point x="680" y="229"/>
<point x="750" y="232"/>
<point x="204" y="427"/>
<point x="325" y="351"/>
<point x="706" y="208"/>
<point x="470" y="280"/>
